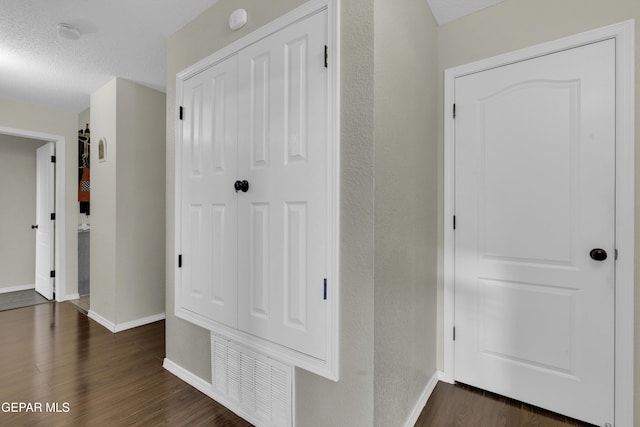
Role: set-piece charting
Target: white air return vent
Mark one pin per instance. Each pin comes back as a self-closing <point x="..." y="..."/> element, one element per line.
<point x="251" y="384"/>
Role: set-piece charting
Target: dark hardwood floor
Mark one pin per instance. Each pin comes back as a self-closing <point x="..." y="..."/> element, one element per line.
<point x="460" y="405"/>
<point x="73" y="372"/>
<point x="52" y="354"/>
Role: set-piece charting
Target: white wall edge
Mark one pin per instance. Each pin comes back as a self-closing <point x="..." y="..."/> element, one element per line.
<point x="126" y="325"/>
<point x="624" y="34"/>
<point x="17" y="288"/>
<point x="424" y="397"/>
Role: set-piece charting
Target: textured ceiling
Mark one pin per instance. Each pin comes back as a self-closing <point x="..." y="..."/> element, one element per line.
<point x="123" y="38"/>
<point x="448" y="10"/>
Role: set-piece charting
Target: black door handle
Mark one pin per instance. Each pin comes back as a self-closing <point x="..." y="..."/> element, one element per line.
<point x="34" y="226"/>
<point x="598" y="254"/>
<point x="241" y="186"/>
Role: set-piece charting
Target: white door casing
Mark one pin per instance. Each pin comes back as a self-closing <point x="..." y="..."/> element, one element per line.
<point x="45" y="231"/>
<point x="498" y="288"/>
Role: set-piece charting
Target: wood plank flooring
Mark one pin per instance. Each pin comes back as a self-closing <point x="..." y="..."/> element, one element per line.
<point x="52" y="354"/>
<point x="460" y="405"/>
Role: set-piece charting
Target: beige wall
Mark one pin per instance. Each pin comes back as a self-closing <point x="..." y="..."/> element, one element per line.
<point x="17" y="210"/>
<point x="140" y="201"/>
<point x="406" y="154"/>
<point x="350" y="402"/>
<point x="44" y="120"/>
<point x="516" y="24"/>
<point x="127" y="202"/>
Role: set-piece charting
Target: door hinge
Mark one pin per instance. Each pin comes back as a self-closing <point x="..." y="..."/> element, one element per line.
<point x="616" y="254"/>
<point x="454" y="111"/>
<point x="454" y="222"/>
<point x="454" y="333"/>
<point x="179" y="261"/>
<point x="181" y="113"/>
<point x="325" y="289"/>
<point x="326" y="56"/>
<point x="53" y="159"/>
<point x="53" y="216"/>
<point x="52" y="273"/>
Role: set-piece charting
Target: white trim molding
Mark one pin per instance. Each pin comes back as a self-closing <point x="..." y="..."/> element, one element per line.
<point x="624" y="35"/>
<point x="422" y="401"/>
<point x="16" y="288"/>
<point x="115" y="328"/>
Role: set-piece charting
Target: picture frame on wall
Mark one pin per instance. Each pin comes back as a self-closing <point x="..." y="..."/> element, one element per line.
<point x="102" y="150"/>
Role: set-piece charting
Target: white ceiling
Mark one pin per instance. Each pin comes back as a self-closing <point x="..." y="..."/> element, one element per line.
<point x="123" y="38"/>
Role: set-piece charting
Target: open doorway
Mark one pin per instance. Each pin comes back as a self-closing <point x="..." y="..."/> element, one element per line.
<point x="25" y="245"/>
<point x="57" y="249"/>
<point x="84" y="227"/>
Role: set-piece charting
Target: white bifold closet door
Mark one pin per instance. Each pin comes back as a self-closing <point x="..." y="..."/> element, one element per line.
<point x="257" y="260"/>
<point x="209" y="201"/>
<point x="282" y="219"/>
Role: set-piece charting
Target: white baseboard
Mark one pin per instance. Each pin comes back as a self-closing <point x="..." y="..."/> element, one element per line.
<point x="101" y="320"/>
<point x="139" y="322"/>
<point x="426" y="393"/>
<point x="124" y="326"/>
<point x="69" y="297"/>
<point x="16" y="288"/>
<point x="188" y="377"/>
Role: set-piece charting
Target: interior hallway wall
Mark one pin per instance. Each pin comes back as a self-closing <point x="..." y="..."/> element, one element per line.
<point x="127" y="202"/>
<point x="516" y="24"/>
<point x="405" y="210"/>
<point x="18" y="211"/>
<point x="55" y="122"/>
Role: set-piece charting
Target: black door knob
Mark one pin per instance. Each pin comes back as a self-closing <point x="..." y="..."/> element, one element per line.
<point x="34" y="226"/>
<point x="598" y="254"/>
<point x="241" y="186"/>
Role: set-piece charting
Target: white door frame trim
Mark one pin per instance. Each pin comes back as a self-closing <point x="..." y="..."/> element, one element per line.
<point x="60" y="245"/>
<point x="624" y="34"/>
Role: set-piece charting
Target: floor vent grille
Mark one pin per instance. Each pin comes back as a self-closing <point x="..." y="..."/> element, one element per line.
<point x="255" y="386"/>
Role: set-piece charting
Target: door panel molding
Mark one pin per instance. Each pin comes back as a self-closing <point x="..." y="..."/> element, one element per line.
<point x="624" y="35"/>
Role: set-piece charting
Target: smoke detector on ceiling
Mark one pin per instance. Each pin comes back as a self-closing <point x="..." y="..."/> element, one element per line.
<point x="68" y="31"/>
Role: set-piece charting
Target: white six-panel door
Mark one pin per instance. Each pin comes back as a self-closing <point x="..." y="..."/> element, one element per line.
<point x="257" y="260"/>
<point x="534" y="195"/>
<point x="282" y="153"/>
<point x="209" y="201"/>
